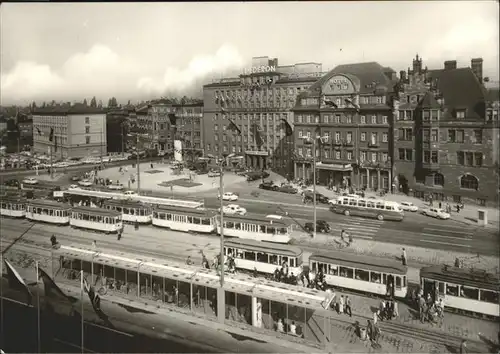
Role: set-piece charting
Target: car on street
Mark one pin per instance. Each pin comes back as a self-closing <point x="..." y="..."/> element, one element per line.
<point x="320" y="198"/>
<point x="287" y="189"/>
<point x="75" y="178"/>
<point x="332" y="202"/>
<point x="408" y="206"/>
<point x="436" y="213"/>
<point x="229" y="196"/>
<point x="30" y="180"/>
<point x="130" y="193"/>
<point x="233" y="209"/>
<point x="274" y="216"/>
<point x="270" y="186"/>
<point x="85" y="183"/>
<point x="321" y="226"/>
<point x="213" y="173"/>
<point x="201" y="172"/>
<point x="12" y="183"/>
<point x="116" y="187"/>
<point x="73" y="186"/>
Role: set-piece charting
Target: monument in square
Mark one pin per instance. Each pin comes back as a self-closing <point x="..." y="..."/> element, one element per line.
<point x="178" y="150"/>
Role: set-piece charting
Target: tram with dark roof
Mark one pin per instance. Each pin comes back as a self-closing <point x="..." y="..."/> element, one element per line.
<point x="48" y="211"/>
<point x="96" y="219"/>
<point x="132" y="211"/>
<point x="13" y="206"/>
<point x="466" y="291"/>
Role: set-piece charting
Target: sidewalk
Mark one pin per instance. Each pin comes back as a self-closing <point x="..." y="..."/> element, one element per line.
<point x="468" y="215"/>
<point x="417" y="256"/>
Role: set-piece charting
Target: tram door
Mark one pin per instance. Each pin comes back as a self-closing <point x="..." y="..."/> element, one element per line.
<point x="390" y="285"/>
<point x="430" y="287"/>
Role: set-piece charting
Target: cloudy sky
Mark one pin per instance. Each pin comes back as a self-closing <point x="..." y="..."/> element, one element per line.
<point x="137" y="51"/>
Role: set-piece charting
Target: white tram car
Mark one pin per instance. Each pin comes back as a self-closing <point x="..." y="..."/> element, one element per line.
<point x="256" y="228"/>
<point x="184" y="219"/>
<point x="467" y="291"/>
<point x="14" y="207"/>
<point x="362" y="273"/>
<point x="97" y="219"/>
<point x="132" y="211"/>
<point x="265" y="257"/>
<point x="48" y="211"/>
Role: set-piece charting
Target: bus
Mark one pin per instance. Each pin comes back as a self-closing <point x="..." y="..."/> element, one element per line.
<point x="371" y="208"/>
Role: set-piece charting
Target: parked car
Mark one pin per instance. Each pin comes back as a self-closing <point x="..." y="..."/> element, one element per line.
<point x="130" y="193"/>
<point x="270" y="186"/>
<point x="73" y="186"/>
<point x="12" y="183"/>
<point x="321" y="226"/>
<point x="407" y="206"/>
<point x="213" y="173"/>
<point x="75" y="178"/>
<point x="320" y="198"/>
<point x="85" y="183"/>
<point x="201" y="172"/>
<point x="332" y="202"/>
<point x="116" y="187"/>
<point x="288" y="189"/>
<point x="230" y="196"/>
<point x="30" y="180"/>
<point x="233" y="209"/>
<point x="436" y="213"/>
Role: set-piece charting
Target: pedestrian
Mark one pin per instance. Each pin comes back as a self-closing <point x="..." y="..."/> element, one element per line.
<point x="375" y="316"/>
<point x="440" y="205"/>
<point x="369" y="330"/>
<point x="350" y="239"/>
<point x="458" y="208"/>
<point x="463" y="346"/>
<point x="341" y="304"/>
<point x="382" y="310"/>
<point x="53" y="240"/>
<point x="342" y="233"/>
<point x="119" y="235"/>
<point x="403" y="257"/>
<point x="396" y="310"/>
<point x="348" y="309"/>
<point x="94" y="244"/>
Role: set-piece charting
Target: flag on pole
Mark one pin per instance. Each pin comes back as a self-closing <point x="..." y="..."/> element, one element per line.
<point x="287" y="127"/>
<point x="39" y="131"/>
<point x="352" y="103"/>
<point x="95" y="300"/>
<point x="51" y="135"/>
<point x="17" y="282"/>
<point x="257" y="136"/>
<point x="233" y="127"/>
<point x="330" y="103"/>
<point x="51" y="288"/>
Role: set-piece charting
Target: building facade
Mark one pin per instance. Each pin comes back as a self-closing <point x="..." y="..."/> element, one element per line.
<point x="351" y="109"/>
<point x="446" y="132"/>
<point x="257" y="102"/>
<point x="80" y="131"/>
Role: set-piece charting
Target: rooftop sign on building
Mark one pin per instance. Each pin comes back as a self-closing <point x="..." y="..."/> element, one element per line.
<point x="260" y="69"/>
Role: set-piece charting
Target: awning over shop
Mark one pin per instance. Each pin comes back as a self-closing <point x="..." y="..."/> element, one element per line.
<point x="333" y="167"/>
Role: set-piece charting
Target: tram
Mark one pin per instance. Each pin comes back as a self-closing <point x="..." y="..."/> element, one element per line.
<point x="184" y="219"/>
<point x="362" y="273"/>
<point x="14" y="207"/>
<point x="132" y="211"/>
<point x="466" y="291"/>
<point x="250" y="255"/>
<point x="97" y="219"/>
<point x="48" y="211"/>
<point x="256" y="228"/>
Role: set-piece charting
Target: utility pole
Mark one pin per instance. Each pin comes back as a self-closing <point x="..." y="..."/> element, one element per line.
<point x="101" y="142"/>
<point x="221" y="306"/>
<point x="138" y="170"/>
<point x="314" y="186"/>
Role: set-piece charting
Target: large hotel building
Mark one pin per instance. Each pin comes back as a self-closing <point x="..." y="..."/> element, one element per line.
<point x="257" y="102"/>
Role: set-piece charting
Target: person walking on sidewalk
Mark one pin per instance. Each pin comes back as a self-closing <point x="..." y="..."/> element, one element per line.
<point x="348" y="309"/>
<point x="350" y="240"/>
<point x="94" y="244"/>
<point x="463" y="347"/>
<point x="403" y="257"/>
<point x="341" y="304"/>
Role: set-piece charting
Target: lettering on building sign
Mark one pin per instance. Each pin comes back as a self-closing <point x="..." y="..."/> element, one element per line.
<point x="340" y="84"/>
<point x="260" y="69"/>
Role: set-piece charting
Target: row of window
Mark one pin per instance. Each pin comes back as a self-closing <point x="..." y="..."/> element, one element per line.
<point x="468" y="292"/>
<point x="183" y="218"/>
<point x="263" y="229"/>
<point x="253" y="118"/>
<point x="346" y="155"/>
<point x="265" y="139"/>
<point x="464" y="158"/>
<point x="338" y="137"/>
<point x="262" y="257"/>
<point x="466" y="181"/>
<point x="12" y="206"/>
<point x="46" y="211"/>
<point x="263" y="91"/>
<point x="129" y="211"/>
<point x="96" y="218"/>
<point x="341" y="119"/>
<point x="283" y="104"/>
<point x="277" y="127"/>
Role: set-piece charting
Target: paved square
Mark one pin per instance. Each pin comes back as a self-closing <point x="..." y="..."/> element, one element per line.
<point x="153" y="171"/>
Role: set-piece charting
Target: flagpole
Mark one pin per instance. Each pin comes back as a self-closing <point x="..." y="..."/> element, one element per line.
<point x="81" y="301"/>
<point x="38" y="309"/>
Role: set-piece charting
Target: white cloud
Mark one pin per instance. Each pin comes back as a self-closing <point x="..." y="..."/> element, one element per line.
<point x="226" y="58"/>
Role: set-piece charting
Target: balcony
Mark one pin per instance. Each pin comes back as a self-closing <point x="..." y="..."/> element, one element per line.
<point x="372" y="144"/>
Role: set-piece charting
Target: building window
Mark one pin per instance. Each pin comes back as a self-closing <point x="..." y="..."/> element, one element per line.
<point x="309" y="152"/>
<point x="216" y="127"/>
<point x="224" y="138"/>
<point x="374" y="157"/>
<point x="460" y="114"/>
<point x="478" y="136"/>
<point x="374" y="139"/>
<point x="326" y="154"/>
<point x="434" y="157"/>
<point x="349" y="155"/>
<point x="208" y="147"/>
<point x="374" y="119"/>
<point x="425" y="135"/>
<point x="216" y="148"/>
<point x="384" y="137"/>
<point x="87" y="139"/>
<point x="427" y="156"/>
<point x="87" y="120"/>
<point x="385" y="156"/>
<point x="348" y="119"/>
<point x="216" y="116"/>
<point x="216" y="137"/>
<point x="301" y="152"/>
<point x="337" y="155"/>
<point x="469" y="182"/>
<point x="223" y="128"/>
<point x="308" y="119"/>
<point x="384" y="120"/>
<point x="363" y="156"/>
<point x="434" y="135"/>
<point x="478" y="159"/>
<point x="299" y="118"/>
<point x="363" y="120"/>
<point x="406" y="154"/>
<point x="337" y="118"/>
<point x="87" y="130"/>
<point x="349" y="138"/>
<point x="316" y="119"/>
<point x="438" y="179"/>
<point x="337" y="136"/>
<point x="363" y="136"/>
<point x="300" y="134"/>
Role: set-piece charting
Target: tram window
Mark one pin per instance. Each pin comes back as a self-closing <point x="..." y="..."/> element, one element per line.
<point x="469" y="293"/>
<point x="284" y="259"/>
<point x="334" y="270"/>
<point x="205" y="221"/>
<point x="362" y="275"/>
<point x="292" y="262"/>
<point x="273" y="259"/>
<point x="451" y="289"/>
<point x="196" y="221"/>
<point x="119" y="209"/>
<point x="229" y="225"/>
<point x="133" y="211"/>
<point x="440" y="287"/>
<point x="362" y="203"/>
<point x="380" y="205"/>
<point x="262" y="257"/>
<point x="346" y="272"/>
<point x="155" y="214"/>
<point x="168" y="216"/>
<point x="375" y="277"/>
<point x="345" y="201"/>
<point x="50" y="212"/>
<point x="388" y="207"/>
<point x="489" y="296"/>
<point x="189" y="219"/>
<point x="314" y="267"/>
<point x="262" y="229"/>
<point x="237" y="226"/>
<point x="398" y="282"/>
<point x="353" y="202"/>
<point x="250" y="256"/>
<point x="161" y="216"/>
<point x="271" y="230"/>
<point x="125" y="211"/>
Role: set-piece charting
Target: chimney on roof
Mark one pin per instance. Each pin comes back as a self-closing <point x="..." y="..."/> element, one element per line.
<point x="402" y="75"/>
<point x="450" y="64"/>
<point x="476" y="65"/>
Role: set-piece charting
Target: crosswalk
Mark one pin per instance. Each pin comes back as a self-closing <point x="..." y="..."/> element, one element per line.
<point x="357" y="227"/>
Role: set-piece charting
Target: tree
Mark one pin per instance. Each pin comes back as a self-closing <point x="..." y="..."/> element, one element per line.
<point x="93" y="102"/>
<point x="100" y="104"/>
<point x="128" y="103"/>
<point x="85" y="102"/>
